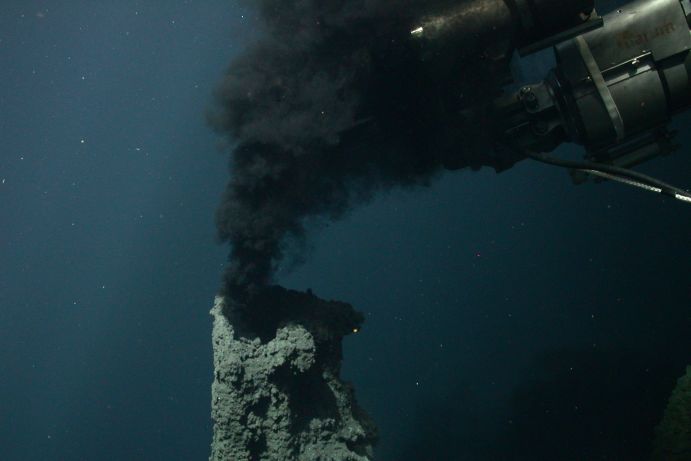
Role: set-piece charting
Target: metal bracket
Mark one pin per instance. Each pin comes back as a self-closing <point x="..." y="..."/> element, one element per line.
<point x="686" y="5"/>
<point x="601" y="86"/>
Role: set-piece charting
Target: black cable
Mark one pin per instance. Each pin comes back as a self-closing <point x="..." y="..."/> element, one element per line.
<point x="666" y="189"/>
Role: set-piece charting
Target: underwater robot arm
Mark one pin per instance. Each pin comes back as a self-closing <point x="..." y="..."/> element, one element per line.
<point x="618" y="80"/>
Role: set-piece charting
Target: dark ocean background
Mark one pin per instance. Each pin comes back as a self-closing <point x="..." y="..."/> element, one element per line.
<point x="508" y="317"/>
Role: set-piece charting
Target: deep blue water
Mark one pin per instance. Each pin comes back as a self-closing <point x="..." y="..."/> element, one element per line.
<point x="508" y="316"/>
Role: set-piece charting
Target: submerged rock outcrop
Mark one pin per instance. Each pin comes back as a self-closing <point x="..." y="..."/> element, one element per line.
<point x="277" y="392"/>
<point x="673" y="435"/>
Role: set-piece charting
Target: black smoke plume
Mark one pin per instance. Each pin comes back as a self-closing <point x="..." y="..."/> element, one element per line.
<point x="332" y="104"/>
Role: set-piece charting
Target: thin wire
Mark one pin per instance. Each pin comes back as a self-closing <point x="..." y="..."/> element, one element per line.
<point x="626" y="181"/>
<point x="681" y="197"/>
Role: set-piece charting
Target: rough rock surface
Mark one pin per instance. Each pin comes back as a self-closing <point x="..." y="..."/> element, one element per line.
<point x="673" y="435"/>
<point x="278" y="396"/>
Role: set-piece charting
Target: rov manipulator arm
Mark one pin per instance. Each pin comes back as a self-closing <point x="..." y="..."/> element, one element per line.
<point x="613" y="91"/>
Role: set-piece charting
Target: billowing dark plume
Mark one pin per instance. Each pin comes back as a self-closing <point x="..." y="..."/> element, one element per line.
<point x="332" y="104"/>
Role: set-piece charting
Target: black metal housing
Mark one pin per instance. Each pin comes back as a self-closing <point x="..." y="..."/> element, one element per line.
<point x="614" y="89"/>
<point x="642" y="54"/>
<point x="495" y="28"/>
